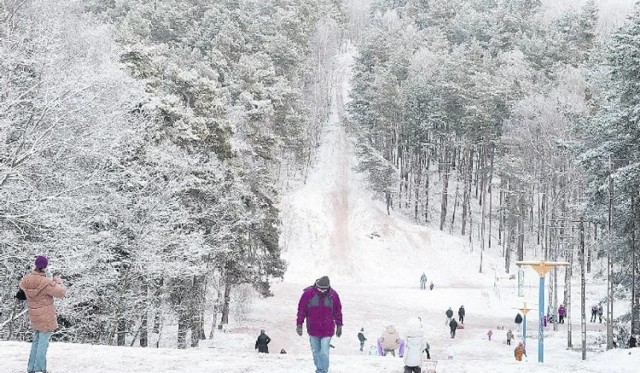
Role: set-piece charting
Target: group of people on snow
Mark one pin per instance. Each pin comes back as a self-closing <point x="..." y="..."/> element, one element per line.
<point x="452" y="323"/>
<point x="423" y="282"/>
<point x="596" y="311"/>
<point x="411" y="349"/>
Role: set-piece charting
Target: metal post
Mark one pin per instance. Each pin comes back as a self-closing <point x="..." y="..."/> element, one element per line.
<point x="542" y="267"/>
<point x="524" y="331"/>
<point x="583" y="311"/>
<point x="540" y="321"/>
<point x="610" y="267"/>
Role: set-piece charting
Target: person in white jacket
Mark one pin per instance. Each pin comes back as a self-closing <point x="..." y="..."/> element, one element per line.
<point x="414" y="346"/>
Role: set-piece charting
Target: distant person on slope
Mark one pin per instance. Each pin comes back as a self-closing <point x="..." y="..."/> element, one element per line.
<point x="518" y="320"/>
<point x="427" y="347"/>
<point x="423" y="281"/>
<point x="600" y="312"/>
<point x="414" y="346"/>
<point x="450" y="352"/>
<point x="461" y="314"/>
<point x="562" y="312"/>
<point x="594" y="312"/>
<point x="519" y="351"/>
<point x="373" y="350"/>
<point x="262" y="342"/>
<point x="320" y="306"/>
<point x="40" y="291"/>
<point x="449" y="314"/>
<point x="453" y="326"/>
<point x="361" y="338"/>
<point x="389" y="341"/>
<point x="509" y="337"/>
<point x="431" y="285"/>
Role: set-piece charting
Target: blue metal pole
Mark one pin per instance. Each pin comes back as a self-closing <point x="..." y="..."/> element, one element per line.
<point x="524" y="331"/>
<point x="541" y="321"/>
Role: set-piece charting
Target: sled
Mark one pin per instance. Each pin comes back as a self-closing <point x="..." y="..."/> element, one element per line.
<point x="460" y="326"/>
<point x="429" y="366"/>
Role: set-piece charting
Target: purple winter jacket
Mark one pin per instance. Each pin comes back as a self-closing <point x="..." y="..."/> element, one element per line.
<point x="322" y="311"/>
<point x="561" y="311"/>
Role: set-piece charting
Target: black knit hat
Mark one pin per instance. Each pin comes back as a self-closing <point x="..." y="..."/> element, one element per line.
<point x="323" y="282"/>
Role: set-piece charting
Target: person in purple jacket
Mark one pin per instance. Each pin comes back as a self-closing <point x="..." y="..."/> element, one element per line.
<point x="320" y="305"/>
<point x="562" y="312"/>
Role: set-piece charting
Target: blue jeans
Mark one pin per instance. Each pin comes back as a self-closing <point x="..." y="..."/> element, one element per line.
<point x="38" y="356"/>
<point x="320" y="350"/>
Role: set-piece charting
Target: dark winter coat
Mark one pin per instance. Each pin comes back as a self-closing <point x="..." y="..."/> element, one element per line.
<point x="461" y="312"/>
<point x="633" y="342"/>
<point x="518" y="319"/>
<point x="449" y="313"/>
<point x="453" y="324"/>
<point x="361" y="337"/>
<point x="262" y="342"/>
<point x="323" y="311"/>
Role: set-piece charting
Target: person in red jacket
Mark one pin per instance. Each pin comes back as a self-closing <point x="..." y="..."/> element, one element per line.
<point x="320" y="306"/>
<point x="40" y="292"/>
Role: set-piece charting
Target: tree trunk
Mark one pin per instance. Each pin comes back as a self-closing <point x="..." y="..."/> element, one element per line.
<point x="501" y="214"/>
<point x="122" y="332"/>
<point x="583" y="316"/>
<point x="214" y="318"/>
<point x="466" y="195"/>
<point x="197" y="311"/>
<point x="226" y="301"/>
<point x="483" y="195"/>
<point x="144" y="330"/>
<point x="490" y="190"/>
<point x="416" y="188"/>
<point x="635" y="304"/>
<point x="183" y="328"/>
<point x="507" y="252"/>
<point x="455" y="208"/>
<point x="521" y="228"/>
<point x="445" y="188"/>
<point x="426" y="187"/>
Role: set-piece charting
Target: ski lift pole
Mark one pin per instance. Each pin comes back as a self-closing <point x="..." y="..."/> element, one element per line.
<point x="524" y="309"/>
<point x="542" y="267"/>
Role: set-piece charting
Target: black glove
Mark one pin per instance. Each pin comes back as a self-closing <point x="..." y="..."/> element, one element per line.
<point x="338" y="330"/>
<point x="299" y="330"/>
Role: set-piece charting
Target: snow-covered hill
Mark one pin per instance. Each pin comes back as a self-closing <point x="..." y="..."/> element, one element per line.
<point x="332" y="226"/>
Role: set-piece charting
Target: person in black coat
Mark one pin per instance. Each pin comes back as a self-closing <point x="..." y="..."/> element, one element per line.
<point x="361" y="338"/>
<point x="262" y="342"/>
<point x="518" y="320"/>
<point x="453" y="325"/>
<point x="633" y="342"/>
<point x="461" y="314"/>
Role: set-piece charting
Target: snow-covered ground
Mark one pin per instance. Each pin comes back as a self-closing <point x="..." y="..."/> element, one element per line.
<point x="332" y="226"/>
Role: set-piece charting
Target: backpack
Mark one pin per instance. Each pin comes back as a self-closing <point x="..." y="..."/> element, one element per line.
<point x="20" y="295"/>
